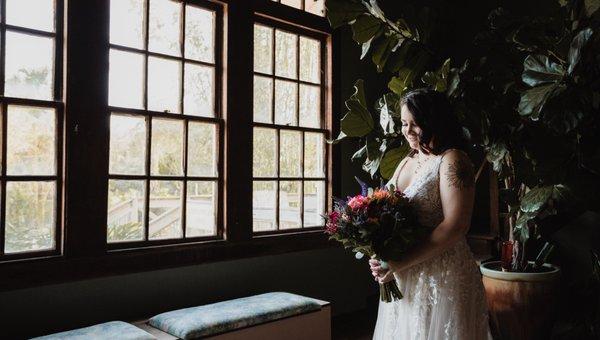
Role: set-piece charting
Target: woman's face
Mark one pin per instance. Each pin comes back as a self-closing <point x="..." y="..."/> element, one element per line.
<point x="410" y="130"/>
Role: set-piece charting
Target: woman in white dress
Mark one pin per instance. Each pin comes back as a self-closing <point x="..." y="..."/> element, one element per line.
<point x="444" y="298"/>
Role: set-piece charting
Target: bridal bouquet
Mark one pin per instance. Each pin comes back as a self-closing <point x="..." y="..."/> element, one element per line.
<point x="379" y="223"/>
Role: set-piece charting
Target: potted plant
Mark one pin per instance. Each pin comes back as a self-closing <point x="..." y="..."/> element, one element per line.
<point x="529" y="96"/>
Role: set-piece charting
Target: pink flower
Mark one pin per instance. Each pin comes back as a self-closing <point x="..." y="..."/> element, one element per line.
<point x="332" y="227"/>
<point x="357" y="202"/>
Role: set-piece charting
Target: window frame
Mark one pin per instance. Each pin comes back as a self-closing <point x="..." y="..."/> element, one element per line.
<point x="85" y="252"/>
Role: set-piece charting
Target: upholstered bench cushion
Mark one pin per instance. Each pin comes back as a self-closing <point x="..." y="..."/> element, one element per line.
<point x="194" y="322"/>
<point x="109" y="330"/>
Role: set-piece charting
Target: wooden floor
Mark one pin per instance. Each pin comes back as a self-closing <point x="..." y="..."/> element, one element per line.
<point x="357" y="325"/>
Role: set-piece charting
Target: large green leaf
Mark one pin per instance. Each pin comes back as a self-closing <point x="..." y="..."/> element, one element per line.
<point x="539" y="69"/>
<point x="536" y="198"/>
<point x="358" y="121"/>
<point x="360" y="153"/>
<point x="391" y="159"/>
<point x="382" y="50"/>
<point x="533" y="100"/>
<point x="400" y="84"/>
<point x="341" y="12"/>
<point x="339" y="138"/>
<point x="591" y="6"/>
<point x="365" y="27"/>
<point x="563" y="111"/>
<point x="438" y="79"/>
<point x="496" y="155"/>
<point x="388" y="107"/>
<point x="577" y="44"/>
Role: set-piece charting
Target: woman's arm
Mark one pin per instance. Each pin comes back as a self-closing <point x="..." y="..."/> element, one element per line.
<point x="457" y="191"/>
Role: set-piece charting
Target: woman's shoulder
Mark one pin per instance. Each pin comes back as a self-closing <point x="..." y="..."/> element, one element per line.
<point x="455" y="155"/>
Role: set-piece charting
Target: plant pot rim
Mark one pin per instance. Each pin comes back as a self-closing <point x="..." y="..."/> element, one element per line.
<point x="486" y="270"/>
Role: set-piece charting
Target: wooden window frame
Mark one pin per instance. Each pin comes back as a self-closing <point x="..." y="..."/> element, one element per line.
<point x="85" y="253"/>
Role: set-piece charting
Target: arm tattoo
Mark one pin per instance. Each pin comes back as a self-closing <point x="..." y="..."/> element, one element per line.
<point x="460" y="174"/>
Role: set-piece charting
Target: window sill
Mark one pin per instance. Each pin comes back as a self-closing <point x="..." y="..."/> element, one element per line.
<point x="59" y="269"/>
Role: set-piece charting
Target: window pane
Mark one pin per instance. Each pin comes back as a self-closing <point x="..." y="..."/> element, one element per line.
<point x="127" y="145"/>
<point x="165" y="27"/>
<point x="290" y="153"/>
<point x="31" y="141"/>
<point x="199" y="34"/>
<point x="263" y="99"/>
<point x="165" y="210"/>
<point x="199" y="90"/>
<point x="201" y="209"/>
<point x="167" y="147"/>
<point x="127" y="23"/>
<point x="314" y="203"/>
<point x="29" y="66"/>
<point x="314" y="155"/>
<point x="126" y="79"/>
<point x="315" y="7"/>
<point x="164" y="85"/>
<point x="310" y="61"/>
<point x="286" y="101"/>
<point x="310" y="106"/>
<point x="289" y="204"/>
<point x="293" y="3"/>
<point x="126" y="210"/>
<point x="265" y="152"/>
<point x="30" y="216"/>
<point x="264" y="203"/>
<point x="36" y="14"/>
<point x="263" y="49"/>
<point x="202" y="149"/>
<point x="285" y="54"/>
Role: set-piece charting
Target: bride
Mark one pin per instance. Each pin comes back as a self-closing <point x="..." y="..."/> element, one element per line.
<point x="444" y="297"/>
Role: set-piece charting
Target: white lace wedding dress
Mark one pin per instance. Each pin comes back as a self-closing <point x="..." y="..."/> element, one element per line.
<point x="444" y="298"/>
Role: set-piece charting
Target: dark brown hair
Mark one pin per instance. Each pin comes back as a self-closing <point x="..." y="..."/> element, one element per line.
<point x="433" y="113"/>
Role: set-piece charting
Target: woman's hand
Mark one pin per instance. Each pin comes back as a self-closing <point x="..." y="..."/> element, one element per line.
<point x="380" y="274"/>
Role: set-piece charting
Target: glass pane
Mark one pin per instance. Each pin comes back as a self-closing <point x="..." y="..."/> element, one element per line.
<point x="31" y="141"/>
<point x="289" y="204"/>
<point x="199" y="34"/>
<point x="127" y="145"/>
<point x="310" y="60"/>
<point x="126" y="210"/>
<point x="164" y="85"/>
<point x="314" y="154"/>
<point x="201" y="209"/>
<point x="165" y="210"/>
<point x="30" y="216"/>
<point x="264" y="203"/>
<point x="126" y="79"/>
<point x="285" y="54"/>
<point x="165" y="27"/>
<point x="199" y="90"/>
<point x="310" y="106"/>
<point x="315" y="7"/>
<point x="314" y="203"/>
<point x="293" y="3"/>
<point x="29" y="66"/>
<point x="263" y="49"/>
<point x="264" y="152"/>
<point x="127" y="23"/>
<point x="263" y="99"/>
<point x="286" y="101"/>
<point x="36" y="14"/>
<point x="167" y="147"/>
<point x="290" y="153"/>
<point x="202" y="149"/>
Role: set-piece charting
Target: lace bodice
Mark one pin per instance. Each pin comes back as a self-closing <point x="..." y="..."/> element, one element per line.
<point x="444" y="297"/>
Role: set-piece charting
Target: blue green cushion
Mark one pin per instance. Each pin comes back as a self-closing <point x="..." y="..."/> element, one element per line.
<point x="194" y="322"/>
<point x="109" y="330"/>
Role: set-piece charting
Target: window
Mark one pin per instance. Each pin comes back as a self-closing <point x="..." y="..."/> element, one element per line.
<point x="31" y="111"/>
<point x="289" y="166"/>
<point x="311" y="6"/>
<point x="165" y="125"/>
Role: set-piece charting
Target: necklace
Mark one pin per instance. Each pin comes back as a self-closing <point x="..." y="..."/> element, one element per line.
<point x="420" y="163"/>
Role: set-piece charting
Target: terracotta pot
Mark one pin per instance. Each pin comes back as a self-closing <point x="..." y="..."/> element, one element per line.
<point x="521" y="305"/>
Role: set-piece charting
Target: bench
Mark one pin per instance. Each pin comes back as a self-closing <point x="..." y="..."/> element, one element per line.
<point x="273" y="315"/>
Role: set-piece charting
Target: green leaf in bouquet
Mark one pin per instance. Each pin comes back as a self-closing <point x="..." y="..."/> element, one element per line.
<point x="536" y="198"/>
<point x="539" y="69"/>
<point x="577" y="45"/>
<point x="391" y="159"/>
<point x="365" y="27"/>
<point x="341" y="12"/>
